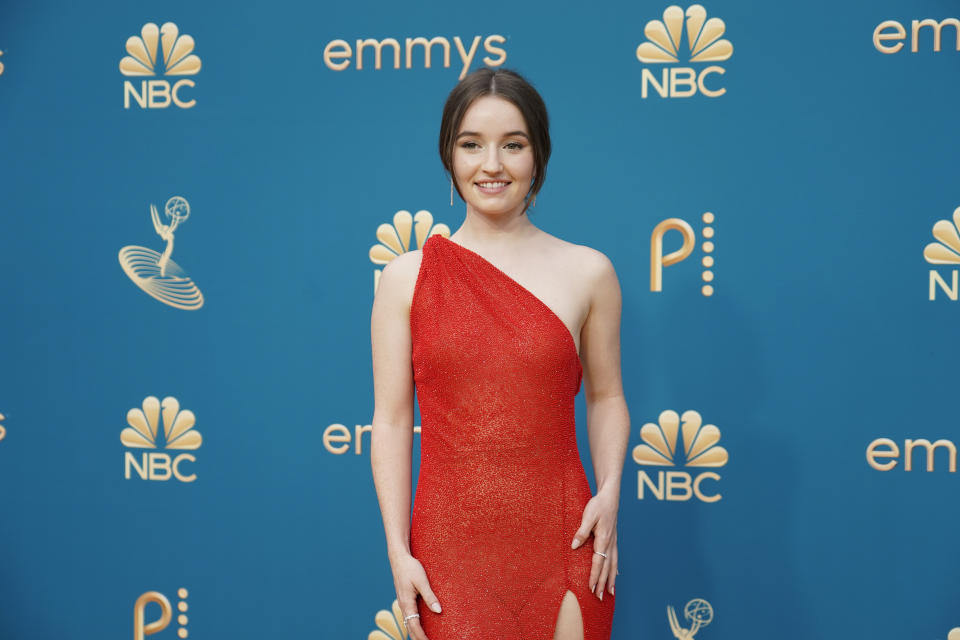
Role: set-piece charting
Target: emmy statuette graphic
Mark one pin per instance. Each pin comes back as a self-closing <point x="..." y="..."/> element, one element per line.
<point x="156" y="273"/>
<point x="698" y="612"/>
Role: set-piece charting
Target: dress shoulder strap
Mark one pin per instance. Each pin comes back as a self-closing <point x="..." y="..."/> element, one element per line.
<point x="421" y="286"/>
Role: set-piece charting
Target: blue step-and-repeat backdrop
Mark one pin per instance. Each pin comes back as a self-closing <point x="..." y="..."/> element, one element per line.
<point x="197" y="201"/>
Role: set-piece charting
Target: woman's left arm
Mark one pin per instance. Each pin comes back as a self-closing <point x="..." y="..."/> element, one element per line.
<point x="608" y="421"/>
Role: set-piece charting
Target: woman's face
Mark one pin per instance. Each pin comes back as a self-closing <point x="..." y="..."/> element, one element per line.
<point x="492" y="157"/>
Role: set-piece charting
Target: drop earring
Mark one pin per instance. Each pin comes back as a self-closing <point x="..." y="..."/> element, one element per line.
<point x="451" y="192"/>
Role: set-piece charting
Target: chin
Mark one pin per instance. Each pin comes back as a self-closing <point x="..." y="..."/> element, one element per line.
<point x="502" y="209"/>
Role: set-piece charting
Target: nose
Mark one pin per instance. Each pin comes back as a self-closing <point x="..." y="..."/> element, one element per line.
<point x="491" y="160"/>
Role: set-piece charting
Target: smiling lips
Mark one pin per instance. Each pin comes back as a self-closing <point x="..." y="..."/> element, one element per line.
<point x="492" y="186"/>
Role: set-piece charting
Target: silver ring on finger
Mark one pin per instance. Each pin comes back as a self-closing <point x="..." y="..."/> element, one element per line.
<point x="600" y="553"/>
<point x="412" y="615"/>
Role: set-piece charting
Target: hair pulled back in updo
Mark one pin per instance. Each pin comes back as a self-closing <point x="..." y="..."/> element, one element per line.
<point x="511" y="86"/>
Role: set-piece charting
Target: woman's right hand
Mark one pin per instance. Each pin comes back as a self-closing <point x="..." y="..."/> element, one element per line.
<point x="410" y="579"/>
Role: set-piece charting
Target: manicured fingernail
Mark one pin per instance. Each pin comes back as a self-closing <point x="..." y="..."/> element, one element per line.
<point x="573" y="545"/>
<point x="436" y="607"/>
<point x="601" y="595"/>
<point x="611" y="591"/>
<point x="593" y="588"/>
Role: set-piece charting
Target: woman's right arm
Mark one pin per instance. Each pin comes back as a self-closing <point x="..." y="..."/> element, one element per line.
<point x="391" y="440"/>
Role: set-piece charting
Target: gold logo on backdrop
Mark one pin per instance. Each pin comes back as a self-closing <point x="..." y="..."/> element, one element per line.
<point x="144" y="59"/>
<point x="883" y="453"/>
<point x="395" y="239"/>
<point x="142" y="628"/>
<point x="390" y="625"/>
<point x="178" y="434"/>
<point x="3" y="432"/>
<point x="894" y="31"/>
<point x="658" y="261"/>
<point x="338" y="439"/>
<point x="156" y="273"/>
<point x="703" y="36"/>
<point x="700" y="449"/>
<point x="1" y="64"/>
<point x="663" y="46"/>
<point x="945" y="251"/>
<point x="698" y="611"/>
<point x="178" y="56"/>
<point x="338" y="54"/>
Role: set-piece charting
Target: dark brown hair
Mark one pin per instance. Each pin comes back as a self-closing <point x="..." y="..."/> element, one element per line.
<point x="511" y="86"/>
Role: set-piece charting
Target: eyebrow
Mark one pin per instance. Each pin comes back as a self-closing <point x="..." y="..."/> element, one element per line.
<point x="506" y="135"/>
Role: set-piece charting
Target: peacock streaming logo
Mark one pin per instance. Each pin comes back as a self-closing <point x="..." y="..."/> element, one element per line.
<point x="164" y="51"/>
<point x="156" y="273"/>
<point x="945" y="251"/>
<point x="3" y="431"/>
<point x="660" y="449"/>
<point x="1" y="64"/>
<point x="698" y="613"/>
<point x="143" y="433"/>
<point x="395" y="239"/>
<point x="658" y="261"/>
<point x="665" y="46"/>
<point x="142" y="628"/>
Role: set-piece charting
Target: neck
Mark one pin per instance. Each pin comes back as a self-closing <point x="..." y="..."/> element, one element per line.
<point x="480" y="229"/>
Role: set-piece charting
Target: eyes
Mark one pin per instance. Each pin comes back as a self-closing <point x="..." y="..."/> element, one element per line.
<point x="510" y="146"/>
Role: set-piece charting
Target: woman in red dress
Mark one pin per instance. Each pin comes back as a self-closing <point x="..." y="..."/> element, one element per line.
<point x="496" y="326"/>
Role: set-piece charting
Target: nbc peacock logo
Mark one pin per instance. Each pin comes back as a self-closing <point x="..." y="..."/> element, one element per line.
<point x="3" y="432"/>
<point x="945" y="251"/>
<point x="179" y="434"/>
<point x="1" y="64"/>
<point x="395" y="239"/>
<point x="389" y="625"/>
<point x="144" y="59"/>
<point x="705" y="43"/>
<point x="660" y="449"/>
<point x="156" y="273"/>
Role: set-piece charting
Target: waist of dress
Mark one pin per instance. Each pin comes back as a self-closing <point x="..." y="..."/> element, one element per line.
<point x="446" y="445"/>
<point x="555" y="455"/>
<point x="497" y="432"/>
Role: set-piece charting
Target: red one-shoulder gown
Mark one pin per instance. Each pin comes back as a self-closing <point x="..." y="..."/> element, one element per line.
<point x="501" y="489"/>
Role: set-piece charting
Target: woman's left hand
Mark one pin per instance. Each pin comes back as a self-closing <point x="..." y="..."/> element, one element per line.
<point x="600" y="519"/>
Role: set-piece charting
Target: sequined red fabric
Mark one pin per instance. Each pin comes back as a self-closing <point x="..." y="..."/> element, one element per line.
<point x="501" y="488"/>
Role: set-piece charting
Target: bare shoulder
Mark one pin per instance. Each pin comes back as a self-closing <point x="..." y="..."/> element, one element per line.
<point x="399" y="277"/>
<point x="590" y="266"/>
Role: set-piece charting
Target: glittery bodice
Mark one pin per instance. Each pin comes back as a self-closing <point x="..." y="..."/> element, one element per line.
<point x="501" y="487"/>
